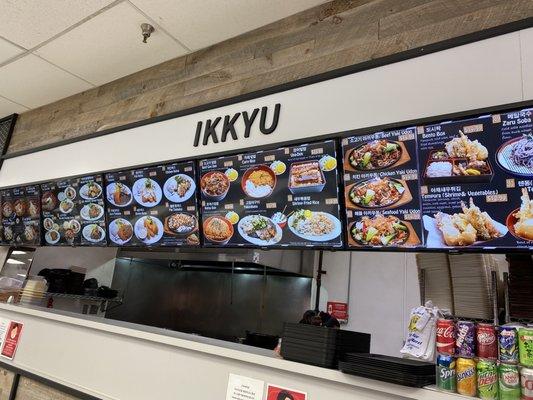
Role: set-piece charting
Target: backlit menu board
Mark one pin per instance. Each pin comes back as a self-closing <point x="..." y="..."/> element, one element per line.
<point x="476" y="181"/>
<point x="153" y="206"/>
<point x="73" y="211"/>
<point x="21" y="216"/>
<point x="282" y="197"/>
<point x="381" y="189"/>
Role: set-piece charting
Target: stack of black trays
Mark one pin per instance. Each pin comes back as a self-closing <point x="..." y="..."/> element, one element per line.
<point x="320" y="346"/>
<point x="396" y="370"/>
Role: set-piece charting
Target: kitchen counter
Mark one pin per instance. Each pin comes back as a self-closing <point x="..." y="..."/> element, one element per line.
<point x="126" y="351"/>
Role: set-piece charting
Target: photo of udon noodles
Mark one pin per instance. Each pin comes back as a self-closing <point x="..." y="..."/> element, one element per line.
<point x="468" y="227"/>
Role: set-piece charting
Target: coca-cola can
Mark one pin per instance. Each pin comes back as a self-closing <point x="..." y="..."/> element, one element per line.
<point x="486" y="341"/>
<point x="465" y="341"/>
<point x="526" y="382"/>
<point x="446" y="336"/>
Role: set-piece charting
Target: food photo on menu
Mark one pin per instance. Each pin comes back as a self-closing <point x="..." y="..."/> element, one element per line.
<point x="476" y="182"/>
<point x="153" y="206"/>
<point x="21" y="216"/>
<point x="282" y="197"/>
<point x="381" y="189"/>
<point x="73" y="211"/>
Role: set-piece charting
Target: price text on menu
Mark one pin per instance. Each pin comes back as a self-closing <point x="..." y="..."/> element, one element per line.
<point x="283" y="197"/>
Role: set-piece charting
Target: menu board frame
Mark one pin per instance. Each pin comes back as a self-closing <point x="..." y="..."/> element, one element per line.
<point x="336" y="136"/>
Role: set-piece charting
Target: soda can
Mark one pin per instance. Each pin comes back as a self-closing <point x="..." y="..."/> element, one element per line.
<point x="446" y="336"/>
<point x="446" y="373"/>
<point x="525" y="346"/>
<point x="487" y="379"/>
<point x="465" y="372"/>
<point x="526" y="381"/>
<point x="508" y="344"/>
<point x="509" y="382"/>
<point x="486" y="341"/>
<point x="465" y="342"/>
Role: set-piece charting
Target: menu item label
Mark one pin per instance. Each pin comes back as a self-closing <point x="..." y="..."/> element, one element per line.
<point x="153" y="206"/>
<point x="21" y="216"/>
<point x="11" y="341"/>
<point x="476" y="178"/>
<point x="381" y="189"/>
<point x="283" y="197"/>
<point x="73" y="211"/>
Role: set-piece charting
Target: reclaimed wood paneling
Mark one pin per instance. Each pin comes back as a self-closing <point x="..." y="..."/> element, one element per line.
<point x="31" y="390"/>
<point x="6" y="380"/>
<point x="321" y="39"/>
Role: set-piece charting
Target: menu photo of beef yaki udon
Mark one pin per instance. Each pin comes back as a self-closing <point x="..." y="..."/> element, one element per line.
<point x="20" y="216"/>
<point x="381" y="189"/>
<point x="153" y="206"/>
<point x="282" y="197"/>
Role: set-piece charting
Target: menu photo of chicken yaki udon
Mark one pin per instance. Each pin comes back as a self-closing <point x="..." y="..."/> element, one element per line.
<point x="153" y="206"/>
<point x="20" y="216"/>
<point x="283" y="197"/>
<point x="381" y="189"/>
<point x="73" y="211"/>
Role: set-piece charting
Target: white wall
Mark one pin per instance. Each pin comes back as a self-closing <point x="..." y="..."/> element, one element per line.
<point x="382" y="290"/>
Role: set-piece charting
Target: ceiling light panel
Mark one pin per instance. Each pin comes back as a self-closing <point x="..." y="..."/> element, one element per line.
<point x="109" y="46"/>
<point x="29" y="22"/>
<point x="8" y="50"/>
<point x="33" y="82"/>
<point x="199" y="24"/>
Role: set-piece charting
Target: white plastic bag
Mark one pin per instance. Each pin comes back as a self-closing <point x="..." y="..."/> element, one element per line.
<point x="420" y="341"/>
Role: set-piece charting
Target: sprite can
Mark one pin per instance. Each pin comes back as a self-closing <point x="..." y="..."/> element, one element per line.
<point x="487" y="379"/>
<point x="446" y="373"/>
<point x="525" y="346"/>
<point x="509" y="382"/>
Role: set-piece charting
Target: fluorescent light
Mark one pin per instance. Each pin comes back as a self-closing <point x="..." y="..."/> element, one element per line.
<point x="18" y="252"/>
<point x="23" y="275"/>
<point x="12" y="261"/>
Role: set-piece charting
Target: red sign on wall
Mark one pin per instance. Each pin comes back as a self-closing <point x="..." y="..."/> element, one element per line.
<point x="338" y="310"/>
<point x="11" y="340"/>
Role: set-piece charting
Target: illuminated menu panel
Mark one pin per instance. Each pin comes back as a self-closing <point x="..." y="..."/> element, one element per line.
<point x="153" y="206"/>
<point x="284" y="197"/>
<point x="476" y="181"/>
<point x="73" y="211"/>
<point x="381" y="189"/>
<point x="21" y="216"/>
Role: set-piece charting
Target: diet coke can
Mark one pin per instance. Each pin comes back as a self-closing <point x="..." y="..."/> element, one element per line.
<point x="486" y="341"/>
<point x="465" y="342"/>
<point x="526" y="381"/>
<point x="446" y="336"/>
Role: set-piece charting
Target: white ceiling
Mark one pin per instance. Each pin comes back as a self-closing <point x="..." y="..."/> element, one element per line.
<point x="51" y="49"/>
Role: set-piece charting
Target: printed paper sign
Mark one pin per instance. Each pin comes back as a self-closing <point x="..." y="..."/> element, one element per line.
<point x="9" y="347"/>
<point x="280" y="393"/>
<point x="244" y="388"/>
<point x="338" y="310"/>
<point x="4" y="323"/>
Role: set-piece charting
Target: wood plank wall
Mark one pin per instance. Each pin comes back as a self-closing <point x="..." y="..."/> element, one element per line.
<point x="321" y="39"/>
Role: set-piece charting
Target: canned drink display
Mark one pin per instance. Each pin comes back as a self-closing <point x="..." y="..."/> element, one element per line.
<point x="525" y="346"/>
<point x="465" y="372"/>
<point x="509" y="382"/>
<point x="465" y="342"/>
<point x="487" y="379"/>
<point x="486" y="341"/>
<point x="446" y="336"/>
<point x="526" y="382"/>
<point x="508" y="344"/>
<point x="446" y="373"/>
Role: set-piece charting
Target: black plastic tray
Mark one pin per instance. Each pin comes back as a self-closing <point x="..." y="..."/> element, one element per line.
<point x="387" y="362"/>
<point x="387" y="376"/>
<point x="295" y="353"/>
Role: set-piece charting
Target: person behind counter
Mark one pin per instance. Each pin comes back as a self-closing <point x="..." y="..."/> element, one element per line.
<point x="320" y="318"/>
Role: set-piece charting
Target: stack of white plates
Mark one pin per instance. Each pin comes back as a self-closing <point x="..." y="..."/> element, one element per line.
<point x="34" y="291"/>
<point x="436" y="279"/>
<point x="471" y="282"/>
